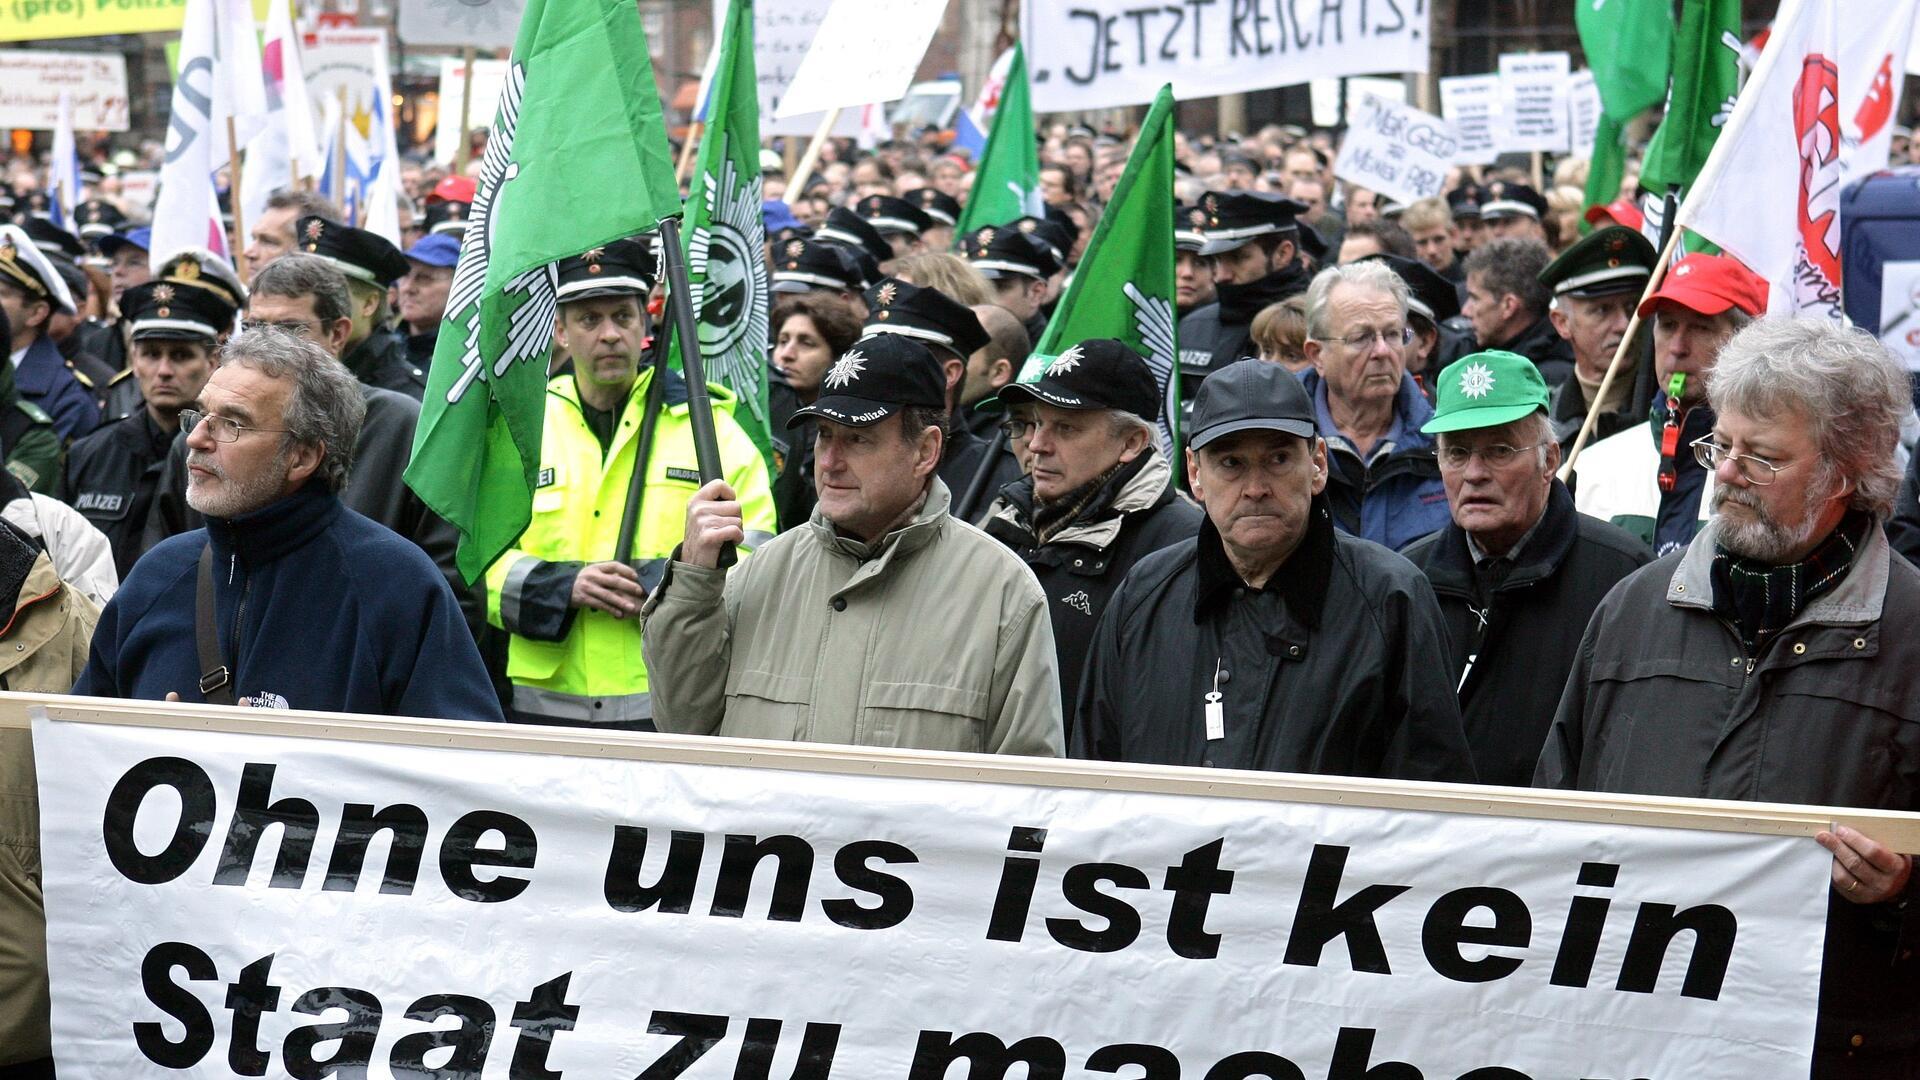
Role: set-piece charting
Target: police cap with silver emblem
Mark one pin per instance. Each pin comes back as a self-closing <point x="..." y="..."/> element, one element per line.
<point x="24" y="266"/>
<point x="926" y="315"/>
<point x="801" y="265"/>
<point x="362" y="255"/>
<point x="1012" y="253"/>
<point x="53" y="239"/>
<point x="179" y="308"/>
<point x="943" y="208"/>
<point x="1099" y="374"/>
<point x="99" y="218"/>
<point x="1189" y="223"/>
<point x="877" y="377"/>
<point x="893" y="216"/>
<point x="1612" y="260"/>
<point x="1236" y="218"/>
<point x="1059" y="233"/>
<point x="843" y="226"/>
<point x="625" y="267"/>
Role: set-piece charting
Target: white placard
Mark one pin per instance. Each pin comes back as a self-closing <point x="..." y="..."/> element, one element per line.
<point x="138" y="188"/>
<point x="1533" y="102"/>
<point x="1583" y="112"/>
<point x="1471" y="103"/>
<point x="31" y="82"/>
<point x="341" y="60"/>
<point x="1095" y="54"/>
<point x="1900" y="310"/>
<point x="1325" y="97"/>
<point x="782" y="34"/>
<point x="862" y="53"/>
<point x="1396" y="150"/>
<point x="589" y="917"/>
<point x="489" y="76"/>
<point x="484" y="24"/>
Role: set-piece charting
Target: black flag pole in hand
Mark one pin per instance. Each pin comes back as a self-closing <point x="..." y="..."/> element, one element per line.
<point x="706" y="444"/>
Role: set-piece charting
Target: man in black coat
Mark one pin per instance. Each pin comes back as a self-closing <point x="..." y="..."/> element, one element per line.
<point x="1518" y="571"/>
<point x="371" y="264"/>
<point x="1507" y="305"/>
<point x="1269" y="641"/>
<point x="1253" y="244"/>
<point x="1100" y="496"/>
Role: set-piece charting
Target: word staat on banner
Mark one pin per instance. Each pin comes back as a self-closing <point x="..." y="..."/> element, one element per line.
<point x="227" y="905"/>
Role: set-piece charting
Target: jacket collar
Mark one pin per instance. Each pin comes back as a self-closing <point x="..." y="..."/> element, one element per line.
<point x="1145" y="488"/>
<point x="275" y="529"/>
<point x="1546" y="549"/>
<point x="1536" y="340"/>
<point x="1411" y="409"/>
<point x="1301" y="581"/>
<point x="1859" y="598"/>
<point x="902" y="541"/>
<point x="39" y="366"/>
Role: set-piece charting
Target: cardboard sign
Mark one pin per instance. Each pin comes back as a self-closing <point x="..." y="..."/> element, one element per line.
<point x="31" y="83"/>
<point x="1583" y="112"/>
<point x="1533" y="102"/>
<point x="1471" y="103"/>
<point x="1396" y="150"/>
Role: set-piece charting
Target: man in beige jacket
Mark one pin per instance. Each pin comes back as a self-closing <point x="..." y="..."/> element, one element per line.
<point x="884" y="621"/>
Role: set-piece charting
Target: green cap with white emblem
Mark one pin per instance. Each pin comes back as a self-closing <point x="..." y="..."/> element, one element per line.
<point x="1486" y="389"/>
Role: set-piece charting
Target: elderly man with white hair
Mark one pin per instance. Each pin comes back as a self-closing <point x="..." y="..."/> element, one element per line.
<point x="1773" y="658"/>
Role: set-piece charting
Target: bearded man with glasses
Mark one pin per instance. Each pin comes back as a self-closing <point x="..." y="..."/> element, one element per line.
<point x="287" y="598"/>
<point x="1382" y="481"/>
<point x="1517" y="571"/>
<point x="1773" y="658"/>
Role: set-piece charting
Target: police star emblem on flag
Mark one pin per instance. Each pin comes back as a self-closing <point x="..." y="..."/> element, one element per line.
<point x="730" y="282"/>
<point x="1477" y="381"/>
<point x="845" y="370"/>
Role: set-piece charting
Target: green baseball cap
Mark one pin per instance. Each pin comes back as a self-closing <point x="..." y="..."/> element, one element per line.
<point x="1486" y="389"/>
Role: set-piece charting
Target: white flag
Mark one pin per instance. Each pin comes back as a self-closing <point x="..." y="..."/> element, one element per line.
<point x="63" y="172"/>
<point x="1875" y="48"/>
<point x="286" y="146"/>
<point x="219" y="79"/>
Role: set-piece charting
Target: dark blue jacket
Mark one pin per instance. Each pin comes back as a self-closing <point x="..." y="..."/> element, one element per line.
<point x="1397" y="497"/>
<point x="317" y="605"/>
<point x="44" y="379"/>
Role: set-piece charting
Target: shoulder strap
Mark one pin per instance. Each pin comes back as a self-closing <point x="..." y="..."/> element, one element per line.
<point x="216" y="684"/>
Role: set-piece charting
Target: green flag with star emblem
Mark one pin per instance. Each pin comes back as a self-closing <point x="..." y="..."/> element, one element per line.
<point x="1123" y="287"/>
<point x="1706" y="78"/>
<point x="1007" y="184"/>
<point x="577" y="158"/>
<point x="726" y="235"/>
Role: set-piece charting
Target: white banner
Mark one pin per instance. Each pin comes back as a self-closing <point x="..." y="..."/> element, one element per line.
<point x="782" y="34"/>
<point x="481" y="23"/>
<point x="1533" y="102"/>
<point x="1095" y="54"/>
<point x="244" y="904"/>
<point x="31" y="82"/>
<point x="862" y="53"/>
<point x="1396" y="150"/>
<point x="1583" y="113"/>
<point x="489" y="77"/>
<point x="1471" y="103"/>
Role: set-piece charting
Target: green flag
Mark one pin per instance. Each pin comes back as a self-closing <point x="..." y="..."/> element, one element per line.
<point x="1607" y="167"/>
<point x="1706" y="77"/>
<point x="1628" y="45"/>
<point x="577" y="158"/>
<point x="1123" y="287"/>
<point x="1007" y="184"/>
<point x="725" y="234"/>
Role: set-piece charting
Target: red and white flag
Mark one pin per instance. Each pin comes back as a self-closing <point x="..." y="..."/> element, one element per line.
<point x="1816" y="112"/>
<point x="219" y="78"/>
<point x="287" y="146"/>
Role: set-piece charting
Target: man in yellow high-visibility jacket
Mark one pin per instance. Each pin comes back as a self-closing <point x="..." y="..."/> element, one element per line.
<point x="573" y="612"/>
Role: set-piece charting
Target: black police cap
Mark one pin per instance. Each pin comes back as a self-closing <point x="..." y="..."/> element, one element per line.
<point x="447" y="216"/>
<point x="357" y="253"/>
<point x="625" y="267"/>
<point x="171" y="309"/>
<point x="800" y="265"/>
<point x="891" y="215"/>
<point x="52" y="239"/>
<point x="943" y="208"/>
<point x="1012" y="252"/>
<point x="98" y="218"/>
<point x="843" y="226"/>
<point x="927" y="315"/>
<point x="1236" y="218"/>
<point x="1103" y="373"/>
<point x="880" y="375"/>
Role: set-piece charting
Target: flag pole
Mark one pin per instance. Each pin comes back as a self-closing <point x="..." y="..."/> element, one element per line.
<point x="233" y="197"/>
<point x="462" y="150"/>
<point x="1613" y="366"/>
<point x="976" y="487"/>
<point x="804" y="171"/>
<point x="694" y="132"/>
<point x="643" y="450"/>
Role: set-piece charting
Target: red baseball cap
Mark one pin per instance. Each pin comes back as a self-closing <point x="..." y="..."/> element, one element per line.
<point x="1620" y="211"/>
<point x="1710" y="284"/>
<point x="454" y="189"/>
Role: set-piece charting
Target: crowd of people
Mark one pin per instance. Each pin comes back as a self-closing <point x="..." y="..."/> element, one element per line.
<point x="1358" y="558"/>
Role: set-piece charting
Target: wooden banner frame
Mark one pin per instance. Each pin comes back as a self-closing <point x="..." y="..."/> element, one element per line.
<point x="1897" y="829"/>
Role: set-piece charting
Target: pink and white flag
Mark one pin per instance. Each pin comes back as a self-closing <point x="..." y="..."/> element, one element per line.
<point x="219" y="78"/>
<point x="286" y="147"/>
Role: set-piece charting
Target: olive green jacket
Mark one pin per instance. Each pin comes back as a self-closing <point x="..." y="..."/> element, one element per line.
<point x="936" y="637"/>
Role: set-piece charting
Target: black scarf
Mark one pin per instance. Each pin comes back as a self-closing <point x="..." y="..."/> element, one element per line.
<point x="1760" y="599"/>
<point x="1240" y="303"/>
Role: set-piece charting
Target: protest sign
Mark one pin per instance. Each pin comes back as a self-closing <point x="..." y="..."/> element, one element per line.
<point x="489" y="77"/>
<point x="1097" y="54"/>
<point x="31" y="84"/>
<point x="1325" y="96"/>
<point x="1396" y="150"/>
<point x="610" y="905"/>
<point x="782" y="34"/>
<point x="1471" y="103"/>
<point x="1583" y="112"/>
<point x="1533" y="102"/>
<point x="39" y="20"/>
<point x="862" y="53"/>
<point x="482" y="24"/>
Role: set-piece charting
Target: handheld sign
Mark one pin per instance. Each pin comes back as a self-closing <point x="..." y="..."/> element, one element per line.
<point x="1471" y="103"/>
<point x="1533" y="102"/>
<point x="1396" y="150"/>
<point x="863" y="53"/>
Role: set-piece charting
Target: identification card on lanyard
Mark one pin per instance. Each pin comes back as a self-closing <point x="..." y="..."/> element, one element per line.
<point x="1215" y="709"/>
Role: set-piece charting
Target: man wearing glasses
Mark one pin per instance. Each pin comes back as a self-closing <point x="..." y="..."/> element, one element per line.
<point x="1773" y="658"/>
<point x="1517" y="571"/>
<point x="1382" y="482"/>
<point x="287" y="599"/>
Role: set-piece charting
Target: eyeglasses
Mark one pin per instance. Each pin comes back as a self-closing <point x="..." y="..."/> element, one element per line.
<point x="1393" y="338"/>
<point x="1018" y="429"/>
<point x="1757" y="471"/>
<point x="221" y="428"/>
<point x="1496" y="456"/>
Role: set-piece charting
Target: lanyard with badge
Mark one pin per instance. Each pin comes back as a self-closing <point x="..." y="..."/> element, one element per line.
<point x="1670" y="434"/>
<point x="1215" y="708"/>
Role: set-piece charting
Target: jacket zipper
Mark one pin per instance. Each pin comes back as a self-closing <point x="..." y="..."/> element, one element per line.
<point x="240" y="612"/>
